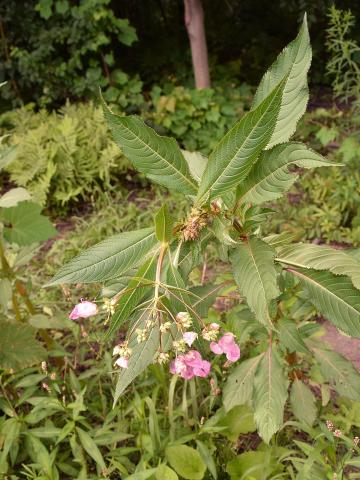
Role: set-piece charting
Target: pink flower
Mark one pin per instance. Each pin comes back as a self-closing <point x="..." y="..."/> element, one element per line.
<point x="190" y="337"/>
<point x="83" y="309"/>
<point x="122" y="362"/>
<point x="226" y="345"/>
<point x="190" y="365"/>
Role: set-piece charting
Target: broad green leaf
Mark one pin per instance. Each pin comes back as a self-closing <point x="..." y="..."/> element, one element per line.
<point x="135" y="291"/>
<point x="108" y="259"/>
<point x="163" y="472"/>
<point x="302" y="402"/>
<point x="186" y="461"/>
<point x="239" y="420"/>
<point x="13" y="197"/>
<point x="142" y="475"/>
<point x="236" y="153"/>
<point x="239" y="386"/>
<point x="334" y="296"/>
<point x="270" y="394"/>
<point x="18" y="347"/>
<point x="90" y="447"/>
<point x="207" y="457"/>
<point x="197" y="163"/>
<point x="294" y="61"/>
<point x="141" y="357"/>
<point x="27" y="225"/>
<point x="10" y="432"/>
<point x="253" y="465"/>
<point x="339" y="372"/>
<point x="270" y="177"/>
<point x="321" y="257"/>
<point x="290" y="336"/>
<point x="163" y="225"/>
<point x="256" y="276"/>
<point x="159" y="158"/>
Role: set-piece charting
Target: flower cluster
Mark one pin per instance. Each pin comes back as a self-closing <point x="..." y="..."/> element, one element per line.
<point x="190" y="365"/>
<point x="123" y="351"/>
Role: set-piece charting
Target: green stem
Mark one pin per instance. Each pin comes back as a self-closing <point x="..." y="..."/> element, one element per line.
<point x="171" y="407"/>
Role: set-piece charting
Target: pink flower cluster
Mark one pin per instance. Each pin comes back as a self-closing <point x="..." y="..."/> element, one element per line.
<point x="83" y="309"/>
<point x="190" y="365"/>
<point x="226" y="345"/>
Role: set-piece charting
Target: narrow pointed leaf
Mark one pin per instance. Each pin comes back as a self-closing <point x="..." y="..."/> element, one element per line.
<point x="302" y="402"/>
<point x="90" y="447"/>
<point x="159" y="158"/>
<point x="321" y="257"/>
<point x="293" y="61"/>
<point x="334" y="296"/>
<point x="236" y="153"/>
<point x="239" y="385"/>
<point x="255" y="274"/>
<point x="270" y="177"/>
<point x="109" y="258"/>
<point x="136" y="289"/>
<point x="270" y="394"/>
<point x="163" y="224"/>
<point x="339" y="372"/>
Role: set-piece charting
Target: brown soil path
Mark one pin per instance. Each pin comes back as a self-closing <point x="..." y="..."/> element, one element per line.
<point x="349" y="347"/>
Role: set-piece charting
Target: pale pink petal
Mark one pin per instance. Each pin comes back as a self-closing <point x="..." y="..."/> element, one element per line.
<point x="226" y="340"/>
<point x="190" y="337"/>
<point x="187" y="373"/>
<point x="83" y="310"/>
<point x="216" y="348"/>
<point x="192" y="358"/>
<point x="214" y="326"/>
<point x="233" y="353"/>
<point x="74" y="315"/>
<point x="122" y="362"/>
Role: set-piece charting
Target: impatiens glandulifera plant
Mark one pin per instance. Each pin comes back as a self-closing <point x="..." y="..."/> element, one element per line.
<point x="146" y="273"/>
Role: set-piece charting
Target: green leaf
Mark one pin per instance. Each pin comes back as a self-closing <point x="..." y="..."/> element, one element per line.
<point x="13" y="197"/>
<point x="334" y="296"/>
<point x="10" y="432"/>
<point x="208" y="294"/>
<point x="163" y="224"/>
<point x="339" y="372"/>
<point x="270" y="177"/>
<point x="159" y="158"/>
<point x="18" y="347"/>
<point x="239" y="420"/>
<point x="141" y="357"/>
<point x="108" y="259"/>
<point x="207" y="457"/>
<point x="196" y="162"/>
<point x="39" y="454"/>
<point x="294" y="61"/>
<point x="250" y="466"/>
<point x="290" y="337"/>
<point x="256" y="276"/>
<point x="302" y="402"/>
<point x="186" y="461"/>
<point x="163" y="472"/>
<point x="27" y="225"/>
<point x="236" y="153"/>
<point x="270" y="394"/>
<point x="136" y="289"/>
<point x="239" y="386"/>
<point x="321" y="257"/>
<point x="90" y="447"/>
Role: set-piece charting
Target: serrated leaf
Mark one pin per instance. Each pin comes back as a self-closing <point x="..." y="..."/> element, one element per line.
<point x="339" y="372"/>
<point x="108" y="259"/>
<point x="294" y="61"/>
<point x="13" y="197"/>
<point x="141" y="357"/>
<point x="236" y="153"/>
<point x="27" y="225"/>
<point x="334" y="296"/>
<point x="270" y="394"/>
<point x="290" y="336"/>
<point x="302" y="402"/>
<point x="90" y="447"/>
<point x="256" y="276"/>
<point x="239" y="386"/>
<point x="136" y="289"/>
<point x="321" y="257"/>
<point x="208" y="294"/>
<point x="186" y="461"/>
<point x="159" y="158"/>
<point x="197" y="163"/>
<point x="163" y="224"/>
<point x="18" y="347"/>
<point x="270" y="177"/>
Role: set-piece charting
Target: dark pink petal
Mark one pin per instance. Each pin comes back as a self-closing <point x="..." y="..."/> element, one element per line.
<point x="233" y="353"/>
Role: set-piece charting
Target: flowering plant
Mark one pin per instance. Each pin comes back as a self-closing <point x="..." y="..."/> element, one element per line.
<point x="146" y="273"/>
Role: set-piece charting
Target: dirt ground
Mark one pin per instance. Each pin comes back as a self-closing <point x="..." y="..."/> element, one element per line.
<point x="349" y="347"/>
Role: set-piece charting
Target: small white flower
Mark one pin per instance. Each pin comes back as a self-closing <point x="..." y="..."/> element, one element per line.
<point x="122" y="362"/>
<point x="141" y="335"/>
<point x="190" y="337"/>
<point x="162" y="357"/>
<point x="179" y="346"/>
<point x="184" y="319"/>
<point x="165" y="327"/>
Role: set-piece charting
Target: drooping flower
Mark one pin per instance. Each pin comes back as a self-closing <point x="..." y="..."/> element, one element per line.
<point x="226" y="345"/>
<point x="83" y="309"/>
<point x="190" y="337"/>
<point x="190" y="365"/>
<point x="122" y="362"/>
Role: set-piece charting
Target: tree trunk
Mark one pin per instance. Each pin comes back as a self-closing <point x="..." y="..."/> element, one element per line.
<point x="194" y="21"/>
